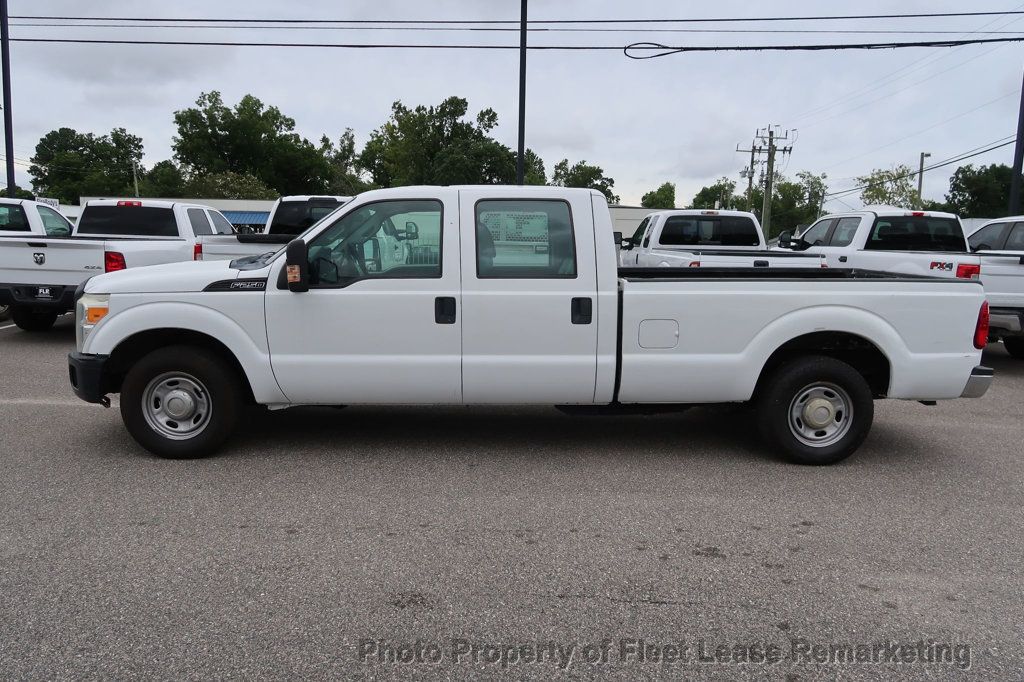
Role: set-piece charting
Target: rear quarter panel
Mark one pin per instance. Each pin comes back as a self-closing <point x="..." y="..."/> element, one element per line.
<point x="727" y="330"/>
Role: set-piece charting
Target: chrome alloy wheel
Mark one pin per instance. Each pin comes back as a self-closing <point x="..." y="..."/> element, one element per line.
<point x="820" y="414"/>
<point x="176" y="405"/>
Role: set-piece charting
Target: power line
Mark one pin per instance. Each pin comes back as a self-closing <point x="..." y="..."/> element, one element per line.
<point x="848" y="17"/>
<point x="662" y="50"/>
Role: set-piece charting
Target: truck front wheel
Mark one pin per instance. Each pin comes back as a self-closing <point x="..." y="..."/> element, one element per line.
<point x="1014" y="346"/>
<point x="32" y="321"/>
<point x="181" y="402"/>
<point x="815" y="410"/>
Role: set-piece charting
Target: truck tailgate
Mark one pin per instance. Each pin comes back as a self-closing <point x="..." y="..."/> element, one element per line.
<point x="44" y="261"/>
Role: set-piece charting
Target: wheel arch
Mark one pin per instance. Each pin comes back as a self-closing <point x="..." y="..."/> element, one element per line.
<point x="855" y="350"/>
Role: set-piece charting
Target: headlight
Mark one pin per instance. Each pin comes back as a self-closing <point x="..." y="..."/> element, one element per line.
<point x="90" y="309"/>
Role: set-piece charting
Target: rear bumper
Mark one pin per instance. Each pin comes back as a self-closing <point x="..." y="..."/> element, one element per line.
<point x="61" y="298"/>
<point x="977" y="385"/>
<point x="1007" y="319"/>
<point x="87" y="377"/>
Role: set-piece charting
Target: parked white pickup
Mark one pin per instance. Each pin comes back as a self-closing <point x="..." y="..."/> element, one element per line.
<point x="470" y="295"/>
<point x="1000" y="246"/>
<point x="890" y="240"/>
<point x="703" y="238"/>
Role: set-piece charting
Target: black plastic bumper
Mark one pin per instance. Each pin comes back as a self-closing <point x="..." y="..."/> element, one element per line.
<point x="87" y="377"/>
<point x="58" y="297"/>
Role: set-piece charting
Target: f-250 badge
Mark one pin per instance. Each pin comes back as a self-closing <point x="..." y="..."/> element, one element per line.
<point x="939" y="265"/>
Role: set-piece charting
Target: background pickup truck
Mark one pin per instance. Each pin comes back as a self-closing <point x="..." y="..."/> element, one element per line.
<point x="1000" y="246"/>
<point x="22" y="218"/>
<point x="693" y="238"/>
<point x="513" y="295"/>
<point x="890" y="240"/>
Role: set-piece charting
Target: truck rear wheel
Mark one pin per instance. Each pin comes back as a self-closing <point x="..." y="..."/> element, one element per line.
<point x="1014" y="346"/>
<point x="5" y="312"/>
<point x="181" y="402"/>
<point x="32" y="321"/>
<point x="815" y="410"/>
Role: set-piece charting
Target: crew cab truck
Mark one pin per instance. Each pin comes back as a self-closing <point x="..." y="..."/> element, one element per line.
<point x="890" y="240"/>
<point x="694" y="237"/>
<point x="38" y="274"/>
<point x="512" y="295"/>
<point x="1000" y="246"/>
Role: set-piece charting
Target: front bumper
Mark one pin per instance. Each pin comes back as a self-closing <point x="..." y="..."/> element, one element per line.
<point x="977" y="385"/>
<point x="88" y="378"/>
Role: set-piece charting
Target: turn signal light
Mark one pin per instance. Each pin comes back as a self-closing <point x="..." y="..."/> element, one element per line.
<point x="968" y="271"/>
<point x="113" y="261"/>
<point x="94" y="315"/>
<point x="981" y="330"/>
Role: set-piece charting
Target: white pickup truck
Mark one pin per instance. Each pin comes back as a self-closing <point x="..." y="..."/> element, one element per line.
<point x="694" y="238"/>
<point x="1000" y="246"/>
<point x="38" y="274"/>
<point x="890" y="240"/>
<point x="22" y="218"/>
<point x="512" y="295"/>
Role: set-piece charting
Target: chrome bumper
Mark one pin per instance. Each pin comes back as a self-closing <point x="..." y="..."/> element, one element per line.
<point x="1009" y="321"/>
<point x="977" y="385"/>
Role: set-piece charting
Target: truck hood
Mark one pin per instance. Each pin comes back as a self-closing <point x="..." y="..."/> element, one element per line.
<point x="183" y="277"/>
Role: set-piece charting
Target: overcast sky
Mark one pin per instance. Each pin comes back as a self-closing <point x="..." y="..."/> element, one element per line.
<point x="674" y="119"/>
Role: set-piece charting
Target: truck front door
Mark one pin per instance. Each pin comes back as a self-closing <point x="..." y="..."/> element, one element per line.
<point x="381" y="322"/>
<point x="529" y="299"/>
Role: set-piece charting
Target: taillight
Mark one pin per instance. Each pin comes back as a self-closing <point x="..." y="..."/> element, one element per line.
<point x="129" y="203"/>
<point x="968" y="271"/>
<point x="981" y="330"/>
<point x="695" y="264"/>
<point x="197" y="252"/>
<point x="113" y="261"/>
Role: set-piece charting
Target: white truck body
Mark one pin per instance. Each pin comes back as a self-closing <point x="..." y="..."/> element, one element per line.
<point x="683" y="238"/>
<point x="1000" y="246"/>
<point x="889" y="239"/>
<point x="507" y="295"/>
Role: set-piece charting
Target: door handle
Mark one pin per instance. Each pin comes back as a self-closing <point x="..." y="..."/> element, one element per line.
<point x="444" y="310"/>
<point x="760" y="264"/>
<point x="842" y="259"/>
<point x="582" y="311"/>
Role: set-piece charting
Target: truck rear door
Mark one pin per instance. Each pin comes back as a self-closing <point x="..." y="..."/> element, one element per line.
<point x="529" y="290"/>
<point x="1002" y="271"/>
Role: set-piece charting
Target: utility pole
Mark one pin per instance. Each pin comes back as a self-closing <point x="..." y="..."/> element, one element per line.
<point x="5" y="63"/>
<point x="920" y="180"/>
<point x="521" y="158"/>
<point x="749" y="173"/>
<point x="772" y="149"/>
<point x="135" y="177"/>
<point x="1018" y="160"/>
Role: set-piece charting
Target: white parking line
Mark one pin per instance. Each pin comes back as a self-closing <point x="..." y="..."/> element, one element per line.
<point x="8" y="326"/>
<point x="44" y="402"/>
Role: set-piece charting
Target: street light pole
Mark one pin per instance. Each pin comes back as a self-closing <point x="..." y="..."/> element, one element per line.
<point x="5" y="65"/>
<point x="521" y="158"/>
<point x="920" y="180"/>
<point x="1018" y="161"/>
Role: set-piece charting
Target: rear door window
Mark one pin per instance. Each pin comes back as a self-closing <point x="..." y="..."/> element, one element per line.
<point x="988" y="238"/>
<point x="138" y="221"/>
<point x="709" y="231"/>
<point x="916" y="233"/>
<point x="54" y="223"/>
<point x="524" y="239"/>
<point x="199" y="222"/>
<point x="12" y="217"/>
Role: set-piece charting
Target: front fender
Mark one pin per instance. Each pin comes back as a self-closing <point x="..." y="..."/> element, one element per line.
<point x="252" y="354"/>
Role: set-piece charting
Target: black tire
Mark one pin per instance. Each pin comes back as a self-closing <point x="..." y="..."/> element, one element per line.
<point x="32" y="321"/>
<point x="1014" y="345"/>
<point x="204" y="380"/>
<point x="827" y="383"/>
<point x="5" y="312"/>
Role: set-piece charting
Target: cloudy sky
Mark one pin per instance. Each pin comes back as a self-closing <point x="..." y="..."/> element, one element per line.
<point x="675" y="119"/>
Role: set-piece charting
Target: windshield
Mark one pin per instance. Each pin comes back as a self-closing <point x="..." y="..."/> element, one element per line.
<point x="916" y="233"/>
<point x="295" y="217"/>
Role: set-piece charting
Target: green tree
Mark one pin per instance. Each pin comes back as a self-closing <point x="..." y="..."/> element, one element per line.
<point x="248" y="139"/>
<point x="892" y="187"/>
<point x="720" y="194"/>
<point x="582" y="174"/>
<point x="68" y="164"/>
<point x="795" y="202"/>
<point x="534" y="169"/>
<point x="229" y="185"/>
<point x="164" y="179"/>
<point x="980" y="192"/>
<point x="663" y="197"/>
<point x="438" y="145"/>
<point x="346" y="178"/>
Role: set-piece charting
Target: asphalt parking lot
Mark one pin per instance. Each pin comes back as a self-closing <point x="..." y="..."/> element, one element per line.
<point x="480" y="530"/>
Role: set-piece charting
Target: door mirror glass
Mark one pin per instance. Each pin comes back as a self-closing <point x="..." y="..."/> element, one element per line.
<point x="412" y="231"/>
<point x="786" y="239"/>
<point x="297" y="266"/>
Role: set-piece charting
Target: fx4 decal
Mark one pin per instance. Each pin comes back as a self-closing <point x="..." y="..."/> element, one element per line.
<point x="940" y="265"/>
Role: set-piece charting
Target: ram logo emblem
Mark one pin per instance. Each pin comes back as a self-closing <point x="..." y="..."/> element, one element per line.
<point x="39" y="258"/>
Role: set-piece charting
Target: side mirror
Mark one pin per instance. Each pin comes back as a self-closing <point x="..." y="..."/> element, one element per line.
<point x="412" y="231"/>
<point x="786" y="239"/>
<point x="296" y="265"/>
